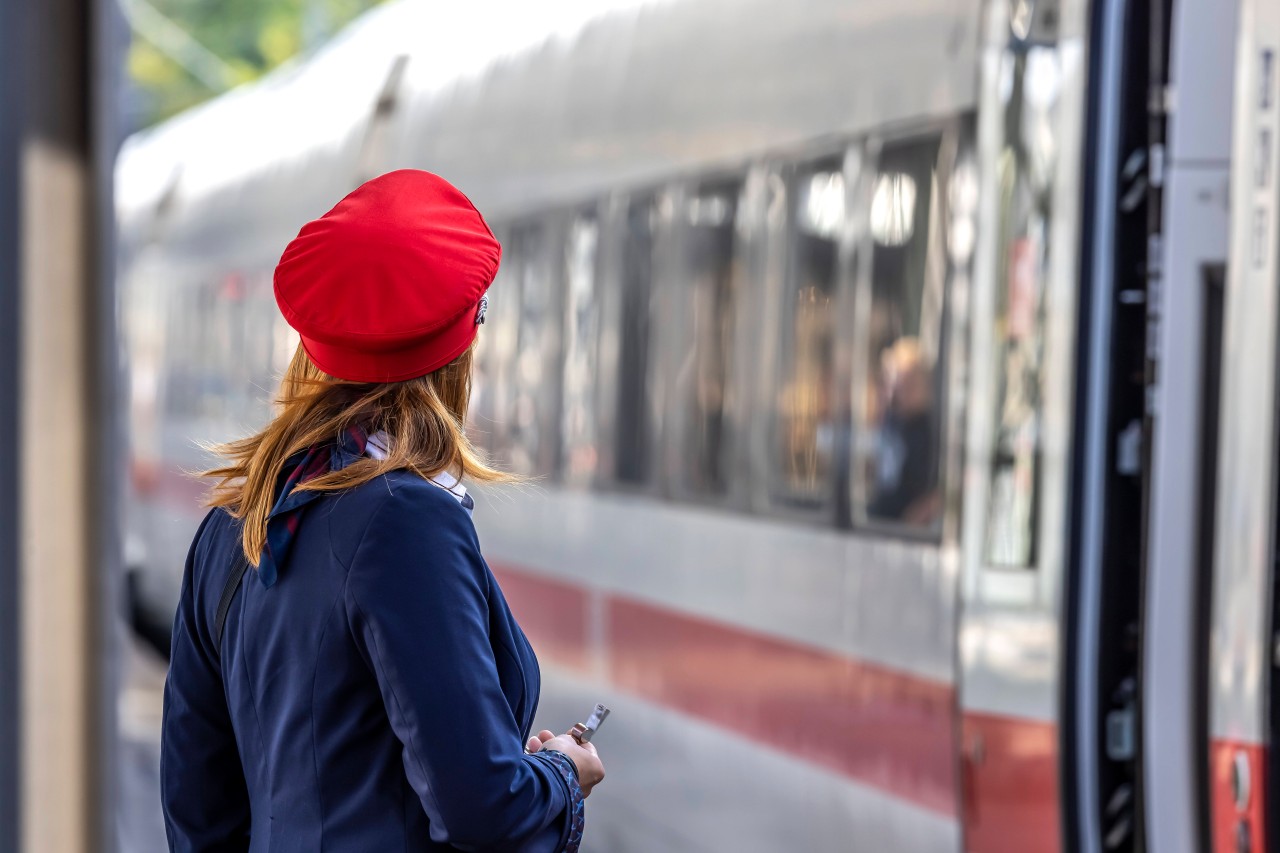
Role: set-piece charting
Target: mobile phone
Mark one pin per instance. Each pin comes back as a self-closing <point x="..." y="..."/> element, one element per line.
<point x="583" y="732"/>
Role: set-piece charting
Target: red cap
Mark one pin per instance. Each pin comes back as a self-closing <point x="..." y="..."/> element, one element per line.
<point x="391" y="283"/>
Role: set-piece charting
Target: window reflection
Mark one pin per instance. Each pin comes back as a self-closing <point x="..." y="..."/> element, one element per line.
<point x="900" y="414"/>
<point x="893" y="209"/>
<point x="822" y="202"/>
<point x="803" y="428"/>
<point x="1030" y="81"/>
<point x="578" y="415"/>
<point x="714" y="280"/>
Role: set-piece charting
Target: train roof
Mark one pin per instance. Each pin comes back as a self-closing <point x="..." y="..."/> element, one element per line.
<point x="526" y="106"/>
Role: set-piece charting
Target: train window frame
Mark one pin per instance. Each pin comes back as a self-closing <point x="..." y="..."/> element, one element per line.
<point x="1053" y="250"/>
<point x="947" y="421"/>
<point x="775" y="273"/>
<point x="1035" y="587"/>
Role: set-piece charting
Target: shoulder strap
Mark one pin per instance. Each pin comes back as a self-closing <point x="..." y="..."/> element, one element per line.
<point x="228" y="593"/>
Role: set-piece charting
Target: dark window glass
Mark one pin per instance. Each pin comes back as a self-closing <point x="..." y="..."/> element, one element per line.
<point x="582" y="312"/>
<point x="631" y="461"/>
<point x="804" y="429"/>
<point x="898" y="447"/>
<point x="713" y="277"/>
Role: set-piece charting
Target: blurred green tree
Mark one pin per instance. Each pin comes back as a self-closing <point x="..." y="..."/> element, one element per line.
<point x="187" y="51"/>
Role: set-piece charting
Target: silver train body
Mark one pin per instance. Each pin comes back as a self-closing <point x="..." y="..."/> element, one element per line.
<point x="858" y="354"/>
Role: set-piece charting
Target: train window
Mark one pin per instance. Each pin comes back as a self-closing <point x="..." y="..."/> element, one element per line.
<point x="897" y="453"/>
<point x="803" y="435"/>
<point x="529" y="441"/>
<point x="711" y="269"/>
<point x="631" y="438"/>
<point x="582" y="322"/>
<point x="218" y="354"/>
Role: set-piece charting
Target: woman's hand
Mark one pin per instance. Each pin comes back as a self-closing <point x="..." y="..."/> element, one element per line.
<point x="583" y="756"/>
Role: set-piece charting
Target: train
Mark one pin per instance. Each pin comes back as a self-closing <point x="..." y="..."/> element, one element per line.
<point x="894" y="384"/>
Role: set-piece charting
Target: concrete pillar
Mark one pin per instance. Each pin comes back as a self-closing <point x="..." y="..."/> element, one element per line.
<point x="58" y="574"/>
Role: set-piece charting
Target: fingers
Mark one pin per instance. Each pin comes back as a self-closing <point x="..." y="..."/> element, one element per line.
<point x="587" y="745"/>
<point x="535" y="743"/>
<point x="584" y="756"/>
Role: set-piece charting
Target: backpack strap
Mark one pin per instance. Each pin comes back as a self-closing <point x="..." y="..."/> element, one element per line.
<point x="228" y="593"/>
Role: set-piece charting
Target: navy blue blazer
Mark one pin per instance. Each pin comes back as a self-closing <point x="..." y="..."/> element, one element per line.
<point x="376" y="697"/>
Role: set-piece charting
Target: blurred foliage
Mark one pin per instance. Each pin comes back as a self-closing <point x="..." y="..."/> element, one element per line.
<point x="247" y="38"/>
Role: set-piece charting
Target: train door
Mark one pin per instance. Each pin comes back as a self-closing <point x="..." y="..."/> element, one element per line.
<point x="1244" y="649"/>
<point x="1102" y="586"/>
<point x="1052" y="577"/>
<point x="1032" y="114"/>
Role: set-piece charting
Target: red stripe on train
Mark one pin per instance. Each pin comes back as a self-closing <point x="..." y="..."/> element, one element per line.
<point x="1232" y="764"/>
<point x="881" y="727"/>
<point x="1011" y="785"/>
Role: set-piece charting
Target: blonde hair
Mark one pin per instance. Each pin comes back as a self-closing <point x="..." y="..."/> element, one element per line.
<point x="424" y="419"/>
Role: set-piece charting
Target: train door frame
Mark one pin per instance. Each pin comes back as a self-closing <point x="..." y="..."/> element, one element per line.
<point x="1185" y="404"/>
<point x="1243" y="707"/>
<point x="1103" y="586"/>
<point x="10" y="238"/>
<point x="1010" y="633"/>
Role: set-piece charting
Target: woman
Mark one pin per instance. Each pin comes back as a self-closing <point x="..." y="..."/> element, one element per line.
<point x="363" y="686"/>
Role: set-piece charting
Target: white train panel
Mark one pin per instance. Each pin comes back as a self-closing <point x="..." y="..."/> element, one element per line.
<point x="882" y="601"/>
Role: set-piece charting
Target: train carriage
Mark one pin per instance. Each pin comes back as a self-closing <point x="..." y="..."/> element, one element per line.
<point x="855" y="353"/>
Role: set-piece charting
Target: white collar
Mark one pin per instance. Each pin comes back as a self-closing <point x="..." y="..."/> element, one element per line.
<point x="376" y="447"/>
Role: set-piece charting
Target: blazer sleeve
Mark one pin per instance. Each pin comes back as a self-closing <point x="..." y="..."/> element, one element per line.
<point x="417" y="598"/>
<point x="202" y="787"/>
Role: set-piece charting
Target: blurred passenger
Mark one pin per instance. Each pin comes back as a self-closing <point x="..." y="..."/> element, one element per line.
<point x="807" y="431"/>
<point x="904" y="476"/>
<point x="364" y="687"/>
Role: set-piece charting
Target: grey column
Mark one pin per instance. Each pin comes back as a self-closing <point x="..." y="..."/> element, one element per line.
<point x="59" y="442"/>
<point x="10" y="118"/>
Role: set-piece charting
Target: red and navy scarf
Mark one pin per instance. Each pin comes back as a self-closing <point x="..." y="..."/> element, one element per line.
<point x="286" y="515"/>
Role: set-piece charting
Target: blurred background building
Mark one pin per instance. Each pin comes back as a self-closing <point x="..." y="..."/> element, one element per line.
<point x="182" y="52"/>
